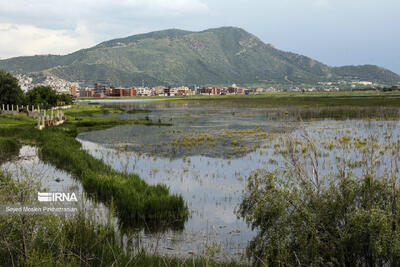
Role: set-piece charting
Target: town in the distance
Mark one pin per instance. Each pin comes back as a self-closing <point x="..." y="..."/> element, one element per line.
<point x="103" y="89"/>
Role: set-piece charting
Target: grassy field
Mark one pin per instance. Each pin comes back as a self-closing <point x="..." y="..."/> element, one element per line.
<point x="136" y="202"/>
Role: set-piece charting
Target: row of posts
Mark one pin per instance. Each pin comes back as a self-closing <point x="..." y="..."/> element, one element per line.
<point x="43" y="119"/>
<point x="6" y="108"/>
<point x="46" y="120"/>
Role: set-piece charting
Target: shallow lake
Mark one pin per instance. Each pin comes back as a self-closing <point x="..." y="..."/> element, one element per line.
<point x="209" y="152"/>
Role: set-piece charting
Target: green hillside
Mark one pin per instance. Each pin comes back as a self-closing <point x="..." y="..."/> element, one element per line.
<point x="219" y="56"/>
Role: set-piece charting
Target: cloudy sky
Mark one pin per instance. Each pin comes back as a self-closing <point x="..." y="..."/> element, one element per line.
<point x="336" y="32"/>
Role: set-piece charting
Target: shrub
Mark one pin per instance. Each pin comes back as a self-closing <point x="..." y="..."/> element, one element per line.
<point x="303" y="218"/>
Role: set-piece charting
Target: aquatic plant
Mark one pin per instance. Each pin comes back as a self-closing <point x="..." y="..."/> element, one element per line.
<point x="305" y="218"/>
<point x="8" y="147"/>
<point x="136" y="202"/>
<point x="74" y="240"/>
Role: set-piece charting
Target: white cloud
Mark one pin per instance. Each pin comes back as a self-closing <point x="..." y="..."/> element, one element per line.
<point x="21" y="39"/>
<point x="57" y="26"/>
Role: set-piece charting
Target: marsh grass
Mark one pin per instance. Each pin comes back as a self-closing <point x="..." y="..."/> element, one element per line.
<point x="73" y="240"/>
<point x="137" y="203"/>
<point x="298" y="99"/>
<point x="93" y="110"/>
<point x="226" y="143"/>
<point x="311" y="211"/>
<point x="8" y="147"/>
<point x="16" y="120"/>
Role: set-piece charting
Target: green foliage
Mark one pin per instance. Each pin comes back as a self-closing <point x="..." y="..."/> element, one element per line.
<point x="92" y="110"/>
<point x="15" y="120"/>
<point x="305" y="219"/>
<point x="136" y="202"/>
<point x="8" y="147"/>
<point x="10" y="92"/>
<point x="74" y="240"/>
<point x="64" y="99"/>
<point x="20" y="233"/>
<point x="219" y="56"/>
<point x="46" y="97"/>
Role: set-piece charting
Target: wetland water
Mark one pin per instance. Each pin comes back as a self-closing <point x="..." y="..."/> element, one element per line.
<point x="208" y="153"/>
<point x="28" y="166"/>
<point x="207" y="156"/>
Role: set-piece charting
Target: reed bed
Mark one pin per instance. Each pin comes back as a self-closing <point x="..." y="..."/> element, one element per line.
<point x="136" y="202"/>
<point x="71" y="240"/>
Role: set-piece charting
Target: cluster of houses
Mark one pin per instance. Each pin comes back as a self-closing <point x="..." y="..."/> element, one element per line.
<point x="29" y="81"/>
<point x="103" y="91"/>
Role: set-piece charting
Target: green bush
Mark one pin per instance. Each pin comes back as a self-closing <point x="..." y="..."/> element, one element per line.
<point x="10" y="91"/>
<point x="46" y="97"/>
<point x="304" y="218"/>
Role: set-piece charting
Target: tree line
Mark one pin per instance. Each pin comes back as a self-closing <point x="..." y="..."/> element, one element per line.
<point x="43" y="96"/>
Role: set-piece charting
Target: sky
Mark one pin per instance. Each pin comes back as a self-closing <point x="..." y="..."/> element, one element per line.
<point x="335" y="32"/>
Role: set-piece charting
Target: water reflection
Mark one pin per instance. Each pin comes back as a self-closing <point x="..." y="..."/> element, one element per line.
<point x="212" y="179"/>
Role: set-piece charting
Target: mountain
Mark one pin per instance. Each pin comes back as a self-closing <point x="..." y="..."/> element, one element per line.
<point x="220" y="56"/>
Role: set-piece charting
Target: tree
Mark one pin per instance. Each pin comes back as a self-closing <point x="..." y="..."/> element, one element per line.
<point x="43" y="96"/>
<point x="65" y="99"/>
<point x="10" y="91"/>
<point x="46" y="97"/>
